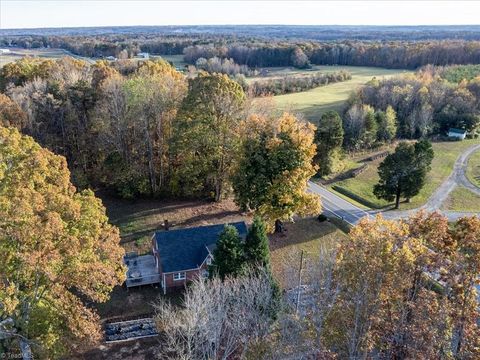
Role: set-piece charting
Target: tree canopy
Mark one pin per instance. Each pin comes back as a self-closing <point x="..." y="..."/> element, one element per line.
<point x="329" y="139"/>
<point x="403" y="173"/>
<point x="228" y="256"/>
<point x="275" y="166"/>
<point x="207" y="134"/>
<point x="57" y="250"/>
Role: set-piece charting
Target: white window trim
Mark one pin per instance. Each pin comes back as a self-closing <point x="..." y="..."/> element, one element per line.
<point x="179" y="276"/>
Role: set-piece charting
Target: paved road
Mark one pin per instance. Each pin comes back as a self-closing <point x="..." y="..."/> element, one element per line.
<point x="334" y="204"/>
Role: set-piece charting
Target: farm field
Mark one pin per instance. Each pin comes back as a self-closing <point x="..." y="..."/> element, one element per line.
<point x="442" y="165"/>
<point x="313" y="103"/>
<point x="473" y="168"/>
<point x="18" y="53"/>
<point x="462" y="199"/>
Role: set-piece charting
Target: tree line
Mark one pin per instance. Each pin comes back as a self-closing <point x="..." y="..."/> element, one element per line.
<point x="153" y="132"/>
<point x="424" y="106"/>
<point x="296" y="83"/>
<point x="395" y="54"/>
<point x="256" y="52"/>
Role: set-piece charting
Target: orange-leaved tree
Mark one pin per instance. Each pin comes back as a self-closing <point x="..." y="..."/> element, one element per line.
<point x="57" y="252"/>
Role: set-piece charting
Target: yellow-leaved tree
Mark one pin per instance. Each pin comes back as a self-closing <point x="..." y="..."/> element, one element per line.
<point x="276" y="162"/>
<point x="57" y="252"/>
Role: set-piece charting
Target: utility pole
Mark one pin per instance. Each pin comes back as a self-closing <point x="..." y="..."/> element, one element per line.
<point x="299" y="283"/>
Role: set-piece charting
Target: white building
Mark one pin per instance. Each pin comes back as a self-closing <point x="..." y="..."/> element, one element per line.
<point x="4" y="51"/>
<point x="457" y="133"/>
<point x="144" y="55"/>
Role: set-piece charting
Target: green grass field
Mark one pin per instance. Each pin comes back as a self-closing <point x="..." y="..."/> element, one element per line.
<point x="462" y="199"/>
<point x="313" y="103"/>
<point x="176" y="60"/>
<point x="473" y="168"/>
<point x="442" y="165"/>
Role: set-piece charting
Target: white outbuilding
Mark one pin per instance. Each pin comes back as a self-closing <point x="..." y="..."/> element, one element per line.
<point x="457" y="133"/>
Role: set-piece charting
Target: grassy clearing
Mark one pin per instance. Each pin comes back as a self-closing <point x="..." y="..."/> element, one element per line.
<point x="462" y="199"/>
<point x="313" y="103"/>
<point x="308" y="235"/>
<point x="446" y="153"/>
<point x="473" y="168"/>
<point x="176" y="60"/>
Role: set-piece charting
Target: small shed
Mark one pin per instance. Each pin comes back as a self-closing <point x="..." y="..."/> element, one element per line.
<point x="457" y="133"/>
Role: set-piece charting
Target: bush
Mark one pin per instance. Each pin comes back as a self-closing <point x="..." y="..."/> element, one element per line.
<point x="322" y="218"/>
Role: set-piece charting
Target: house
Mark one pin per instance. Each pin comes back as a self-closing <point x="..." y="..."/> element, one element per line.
<point x="178" y="256"/>
<point x="457" y="133"/>
<point x="4" y="51"/>
<point x="144" y="55"/>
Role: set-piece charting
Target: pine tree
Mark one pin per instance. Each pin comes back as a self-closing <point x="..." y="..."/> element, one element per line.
<point x="257" y="251"/>
<point x="228" y="257"/>
<point x="403" y="173"/>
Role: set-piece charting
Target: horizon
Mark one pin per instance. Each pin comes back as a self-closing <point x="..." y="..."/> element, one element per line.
<point x="28" y="14"/>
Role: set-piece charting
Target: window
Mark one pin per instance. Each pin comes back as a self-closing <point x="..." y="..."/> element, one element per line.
<point x="179" y="276"/>
<point x="205" y="273"/>
<point x="209" y="261"/>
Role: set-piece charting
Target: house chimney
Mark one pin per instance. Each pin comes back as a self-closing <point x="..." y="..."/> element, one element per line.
<point x="166" y="225"/>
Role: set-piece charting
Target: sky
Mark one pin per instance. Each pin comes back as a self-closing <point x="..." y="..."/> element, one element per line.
<point x="77" y="13"/>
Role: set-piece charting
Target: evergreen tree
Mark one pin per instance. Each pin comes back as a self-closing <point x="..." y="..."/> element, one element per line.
<point x="257" y="251"/>
<point x="403" y="173"/>
<point x="228" y="257"/>
<point x="329" y="139"/>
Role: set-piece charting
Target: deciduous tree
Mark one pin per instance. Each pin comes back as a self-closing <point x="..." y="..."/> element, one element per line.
<point x="206" y="137"/>
<point x="276" y="162"/>
<point x="57" y="250"/>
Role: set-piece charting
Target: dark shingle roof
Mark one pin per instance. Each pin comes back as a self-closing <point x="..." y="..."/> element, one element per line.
<point x="185" y="249"/>
<point x="457" y="131"/>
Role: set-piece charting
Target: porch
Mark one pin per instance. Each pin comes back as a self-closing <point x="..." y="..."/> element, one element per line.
<point x="141" y="270"/>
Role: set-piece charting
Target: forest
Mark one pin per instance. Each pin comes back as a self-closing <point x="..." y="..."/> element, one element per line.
<point x="263" y="46"/>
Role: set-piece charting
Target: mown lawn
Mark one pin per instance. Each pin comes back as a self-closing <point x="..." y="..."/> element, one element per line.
<point x="313" y="103"/>
<point x="473" y="168"/>
<point x="446" y="153"/>
<point x="462" y="199"/>
<point x="176" y="60"/>
<point x="306" y="234"/>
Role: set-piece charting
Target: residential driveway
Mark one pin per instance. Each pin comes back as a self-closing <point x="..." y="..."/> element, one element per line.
<point x="334" y="204"/>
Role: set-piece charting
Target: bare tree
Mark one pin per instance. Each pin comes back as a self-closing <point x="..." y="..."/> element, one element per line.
<point x="218" y="319"/>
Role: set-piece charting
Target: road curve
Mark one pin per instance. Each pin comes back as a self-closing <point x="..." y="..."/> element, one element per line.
<point x="334" y="204"/>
